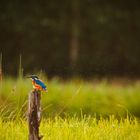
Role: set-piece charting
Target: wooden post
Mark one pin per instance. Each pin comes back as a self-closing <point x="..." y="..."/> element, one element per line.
<point x="34" y="115"/>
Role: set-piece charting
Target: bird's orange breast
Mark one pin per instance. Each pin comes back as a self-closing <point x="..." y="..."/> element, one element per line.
<point x="36" y="86"/>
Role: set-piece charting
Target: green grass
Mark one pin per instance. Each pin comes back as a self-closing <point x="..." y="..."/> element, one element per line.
<point x="73" y="128"/>
<point x="73" y="110"/>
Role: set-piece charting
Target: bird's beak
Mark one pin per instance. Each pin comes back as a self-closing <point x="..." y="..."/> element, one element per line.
<point x="27" y="76"/>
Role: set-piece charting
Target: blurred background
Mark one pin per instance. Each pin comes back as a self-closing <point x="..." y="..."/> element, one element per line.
<point x="85" y="38"/>
<point x="93" y="45"/>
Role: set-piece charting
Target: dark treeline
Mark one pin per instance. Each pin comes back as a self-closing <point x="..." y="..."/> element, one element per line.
<point x="66" y="37"/>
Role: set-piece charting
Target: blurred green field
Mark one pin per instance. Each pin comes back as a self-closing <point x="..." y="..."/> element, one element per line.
<point x="73" y="97"/>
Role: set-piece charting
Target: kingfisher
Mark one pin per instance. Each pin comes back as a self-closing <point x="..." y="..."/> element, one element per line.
<point x="37" y="83"/>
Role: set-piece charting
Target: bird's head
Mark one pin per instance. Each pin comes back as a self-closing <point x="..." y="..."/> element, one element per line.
<point x="33" y="77"/>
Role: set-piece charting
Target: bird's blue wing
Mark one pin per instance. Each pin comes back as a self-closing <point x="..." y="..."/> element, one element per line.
<point x="39" y="82"/>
